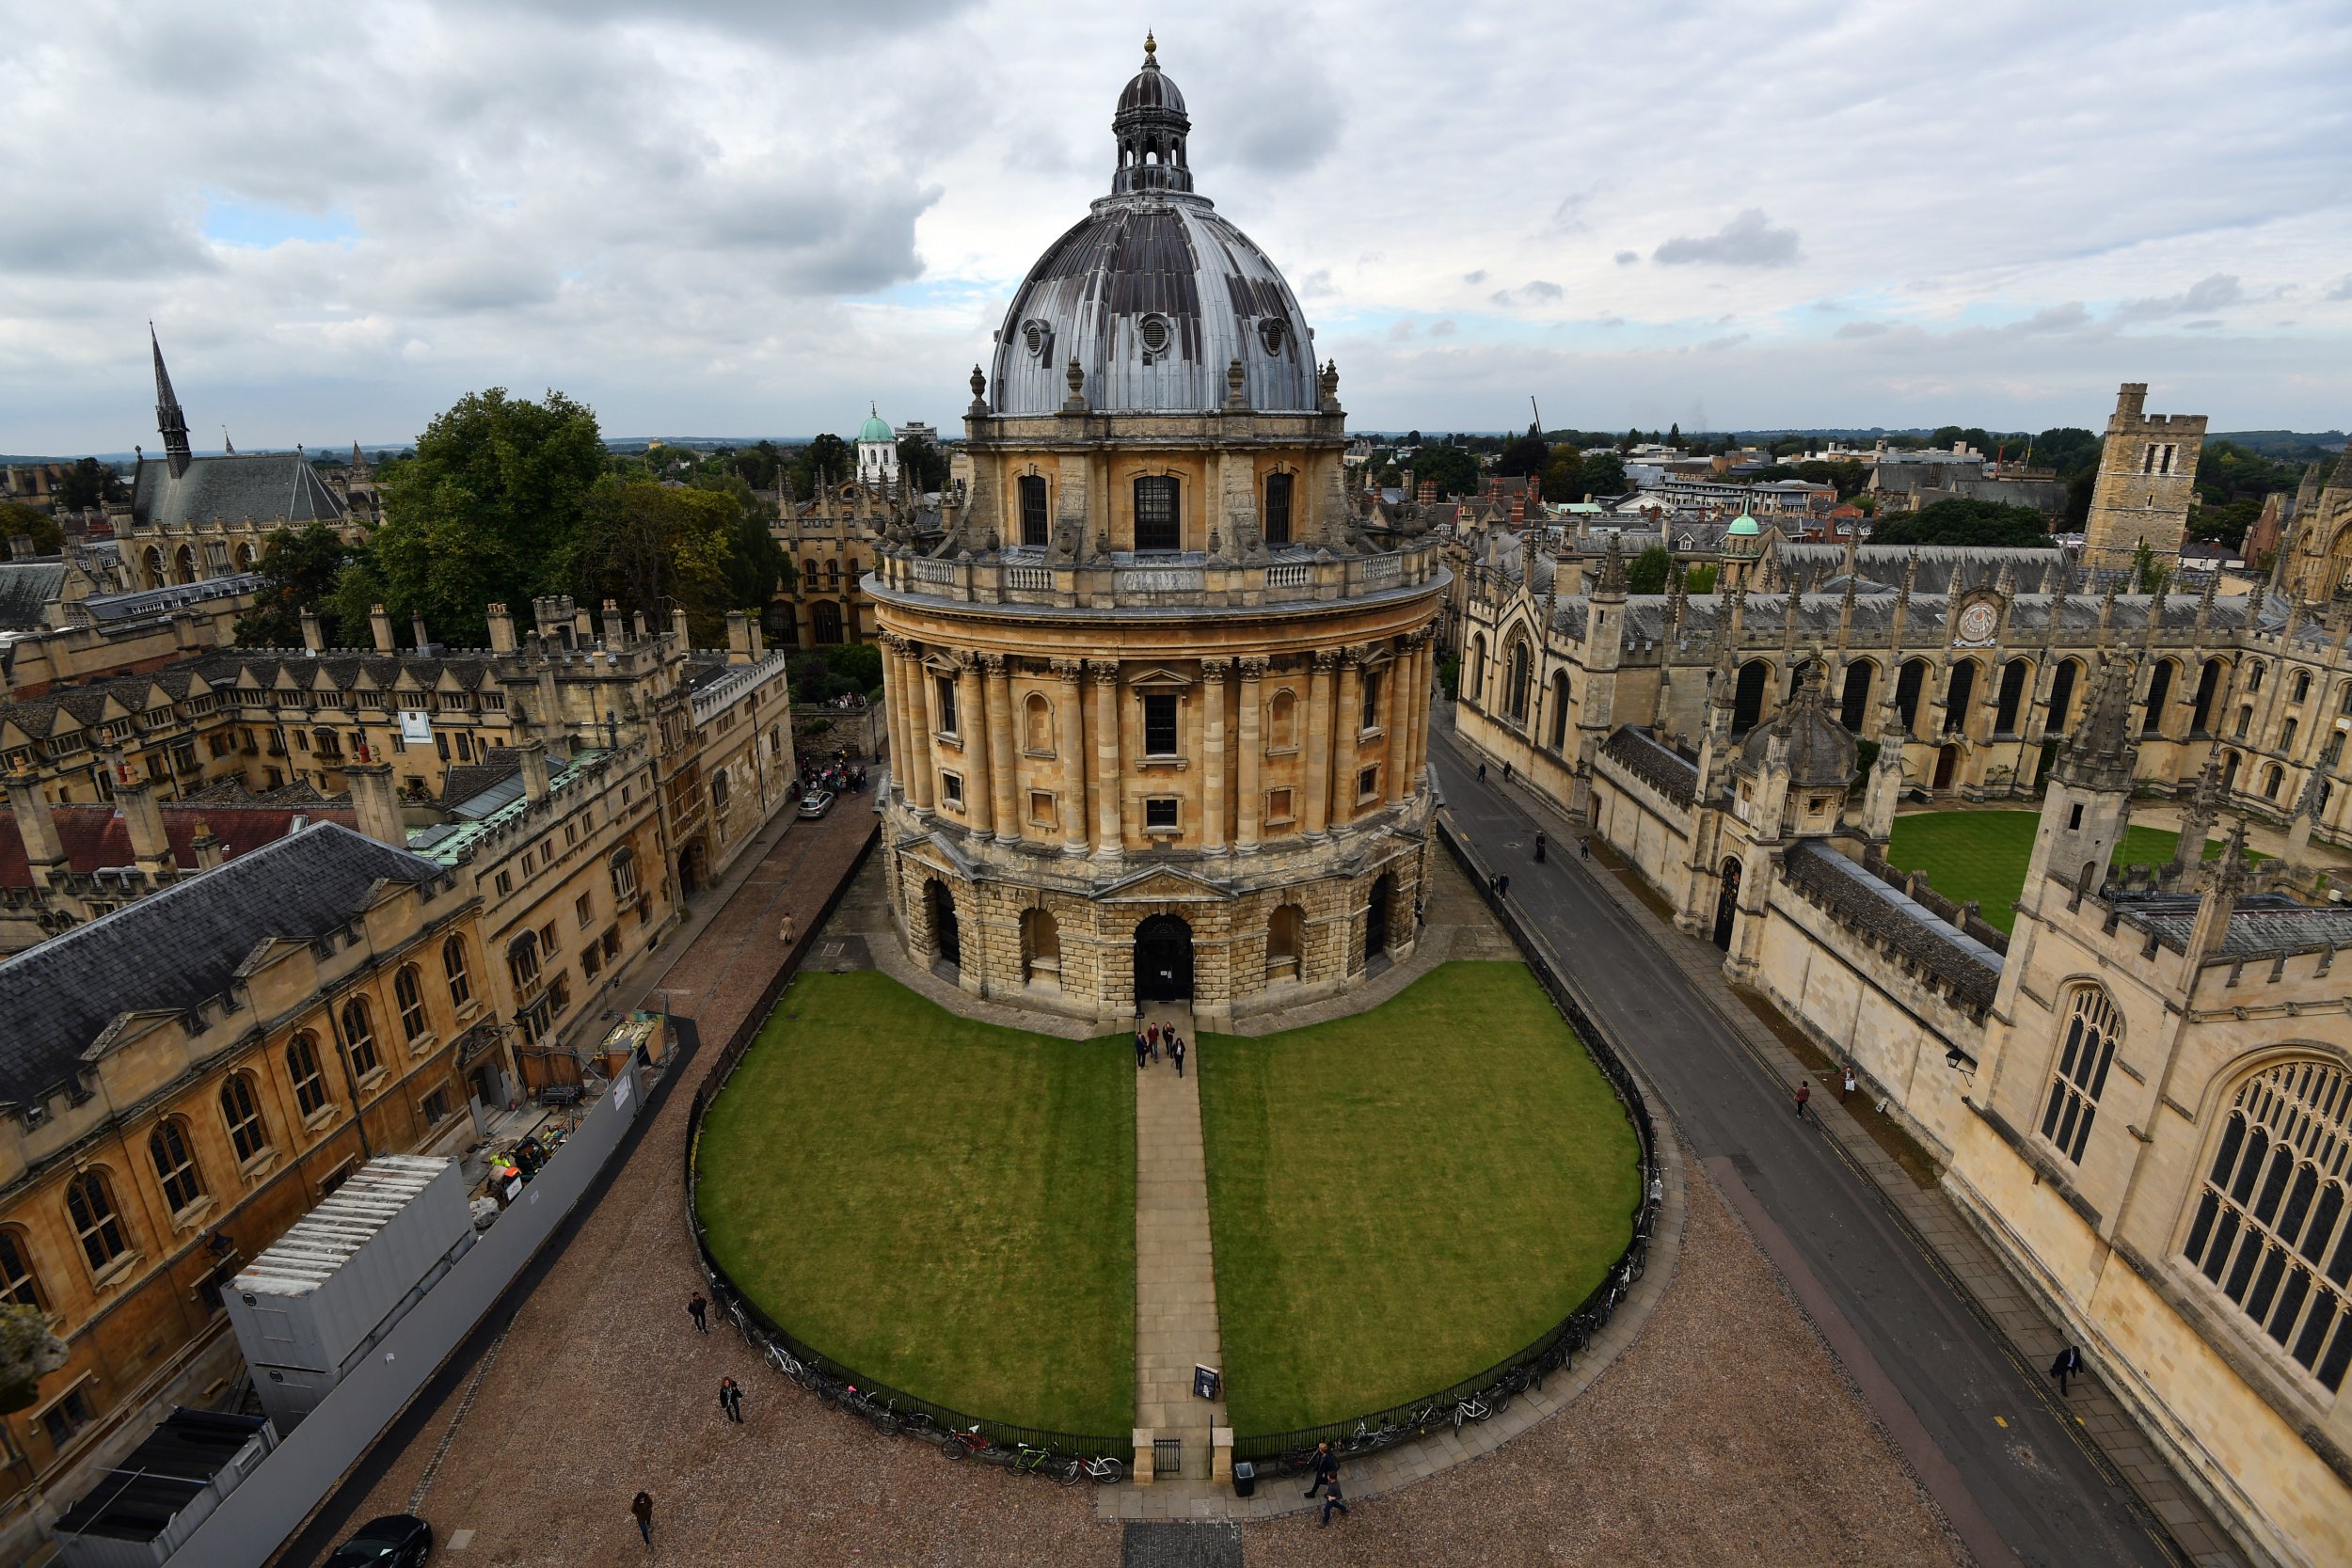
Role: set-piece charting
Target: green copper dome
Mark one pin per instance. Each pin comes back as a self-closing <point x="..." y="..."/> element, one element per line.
<point x="875" y="428"/>
<point x="1744" y="524"/>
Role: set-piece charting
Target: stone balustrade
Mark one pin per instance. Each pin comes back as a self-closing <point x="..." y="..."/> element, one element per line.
<point x="1189" y="580"/>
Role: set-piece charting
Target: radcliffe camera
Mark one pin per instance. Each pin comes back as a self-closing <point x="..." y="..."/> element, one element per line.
<point x="1542" y="788"/>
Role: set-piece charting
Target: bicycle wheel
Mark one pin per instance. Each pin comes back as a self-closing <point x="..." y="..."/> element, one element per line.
<point x="956" y="1450"/>
<point x="1107" y="1471"/>
<point x="1072" y="1473"/>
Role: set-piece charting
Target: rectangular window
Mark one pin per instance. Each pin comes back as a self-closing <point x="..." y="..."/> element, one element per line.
<point x="1371" y="701"/>
<point x="1368" y="782"/>
<point x="1277" y="508"/>
<point x="1041" y="808"/>
<point x="1159" y="724"/>
<point x="66" y="1417"/>
<point x="951" y="789"/>
<point x="612" y="943"/>
<point x="1278" y="806"/>
<point x="946" y="687"/>
<point x="1159" y="815"/>
<point x="1034" y="528"/>
<point x="1158" y="523"/>
<point x="591" y="961"/>
<point x="583" y="911"/>
<point x="437" y="1107"/>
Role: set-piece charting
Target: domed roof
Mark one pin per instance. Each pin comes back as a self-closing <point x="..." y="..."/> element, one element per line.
<point x="876" y="428"/>
<point x="1153" y="294"/>
<point x="1821" y="754"/>
<point x="1744" y="524"/>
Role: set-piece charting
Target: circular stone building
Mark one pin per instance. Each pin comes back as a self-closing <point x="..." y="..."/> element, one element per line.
<point x="1158" y="695"/>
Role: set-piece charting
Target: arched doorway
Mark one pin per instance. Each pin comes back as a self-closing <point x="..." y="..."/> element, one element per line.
<point x="1747" y="699"/>
<point x="1728" y="905"/>
<point x="1947" y="764"/>
<point x="1163" y="960"/>
<point x="1376" y="917"/>
<point x="940" y="906"/>
<point x="689" y="869"/>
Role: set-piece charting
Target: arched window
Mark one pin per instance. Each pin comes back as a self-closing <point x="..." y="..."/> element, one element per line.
<point x="90" y="1206"/>
<point x="2343" y="699"/>
<point x="2208" y="684"/>
<point x="2081" y="1075"/>
<point x="310" y="1081"/>
<point x="1477" y="668"/>
<point x="824" y="618"/>
<point x="1956" y="696"/>
<point x="184" y="566"/>
<point x="359" y="1037"/>
<point x="1520" y="666"/>
<point x="2269" y="1228"/>
<point x="1035" y="522"/>
<point x="19" y="1285"/>
<point x="2229" y="772"/>
<point x="2302" y="685"/>
<point x="2013" y="677"/>
<point x="2159" y="693"/>
<point x="453" y="962"/>
<point x="1371" y="708"/>
<point x="2273" y="776"/>
<point x="242" y="1110"/>
<point x="1853" y="702"/>
<point x="408" y="991"/>
<point x="1747" y="698"/>
<point x="2254" y="677"/>
<point x="719" y="793"/>
<point x="2286" y="736"/>
<point x="1037" y="724"/>
<point x="1281" y="726"/>
<point x="1277" y="508"/>
<point x="2063" y="695"/>
<point x="175" y="1166"/>
<point x="2245" y="718"/>
<point x="1559" y="700"/>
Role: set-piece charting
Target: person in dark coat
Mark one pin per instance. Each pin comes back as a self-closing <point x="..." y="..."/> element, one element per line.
<point x="731" y="1399"/>
<point x="1539" y="849"/>
<point x="641" y="1506"/>
<point x="2069" y="1363"/>
<point x="1482" y="779"/>
<point x="699" y="1309"/>
<point x="1326" y="1470"/>
<point x="1584" y="847"/>
<point x="1142" y="1052"/>
<point x="1332" y="1501"/>
<point x="1176" y="1051"/>
<point x="1502" y="886"/>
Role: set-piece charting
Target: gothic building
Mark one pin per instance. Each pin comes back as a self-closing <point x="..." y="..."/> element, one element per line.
<point x="1157" y="696"/>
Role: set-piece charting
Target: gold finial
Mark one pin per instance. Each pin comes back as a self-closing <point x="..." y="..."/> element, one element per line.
<point x="1151" y="48"/>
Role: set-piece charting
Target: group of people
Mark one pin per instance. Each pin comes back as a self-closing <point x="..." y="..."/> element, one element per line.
<point x="838" y="777"/>
<point x="1152" y="1038"/>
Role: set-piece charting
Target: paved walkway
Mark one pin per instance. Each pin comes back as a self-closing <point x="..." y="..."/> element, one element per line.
<point x="1175" y="1267"/>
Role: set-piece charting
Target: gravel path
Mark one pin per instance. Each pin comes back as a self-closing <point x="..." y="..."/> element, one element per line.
<point x="1724" y="1436"/>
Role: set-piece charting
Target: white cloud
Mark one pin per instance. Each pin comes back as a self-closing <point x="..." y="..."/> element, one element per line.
<point x="751" y="217"/>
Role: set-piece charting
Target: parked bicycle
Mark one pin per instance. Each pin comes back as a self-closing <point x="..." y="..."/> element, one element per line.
<point x="965" y="1443"/>
<point x="1102" y="1469"/>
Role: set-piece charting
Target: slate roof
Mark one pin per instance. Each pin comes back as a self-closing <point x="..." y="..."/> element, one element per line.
<point x="264" y="487"/>
<point x="28" y="589"/>
<point x="1966" y="967"/>
<point x="1941" y="568"/>
<point x="181" y="946"/>
<point x="2265" y="926"/>
<point x="1668" y="772"/>
<point x="97" y="837"/>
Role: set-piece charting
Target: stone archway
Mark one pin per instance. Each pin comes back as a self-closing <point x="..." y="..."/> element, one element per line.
<point x="939" y="906"/>
<point x="1728" y="905"/>
<point x="1376" y="917"/>
<point x="1947" y="766"/>
<point x="1163" y="960"/>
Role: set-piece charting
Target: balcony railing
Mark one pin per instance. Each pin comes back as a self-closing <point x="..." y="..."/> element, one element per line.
<point x="1188" y="580"/>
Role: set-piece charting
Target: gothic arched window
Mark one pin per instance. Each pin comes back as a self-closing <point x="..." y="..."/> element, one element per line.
<point x="2081" y="1074"/>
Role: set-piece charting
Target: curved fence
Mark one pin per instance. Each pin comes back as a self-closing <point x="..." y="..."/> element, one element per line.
<point x="1488" y="1394"/>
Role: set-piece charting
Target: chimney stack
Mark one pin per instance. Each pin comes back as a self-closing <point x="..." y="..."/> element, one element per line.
<point x="534" y="755"/>
<point x="738" y="637"/>
<point x="1428" y="491"/>
<point x="502" y="629"/>
<point x="583" y="630"/>
<point x="135" y="797"/>
<point x="415" y="624"/>
<point x="678" y="629"/>
<point x="615" y="629"/>
<point x="209" y="850"/>
<point x="372" y="800"/>
<point x="380" y="622"/>
<point x="33" y="825"/>
<point x="312" y="638"/>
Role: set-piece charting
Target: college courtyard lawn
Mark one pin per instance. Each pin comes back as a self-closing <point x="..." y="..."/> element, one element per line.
<point x="1401" y="1198"/>
<point x="946" y="1206"/>
<point x="1983" y="854"/>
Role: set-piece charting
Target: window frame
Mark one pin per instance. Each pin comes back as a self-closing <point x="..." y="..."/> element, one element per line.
<point x="100" y="1223"/>
<point x="311" y="1083"/>
<point x="359" y="1038"/>
<point x="2078" y="1073"/>
<point x="1035" y="507"/>
<point x="457" y="971"/>
<point x="1159" y="522"/>
<point x="245" y="1123"/>
<point x="409" y="1001"/>
<point x="1280" y="492"/>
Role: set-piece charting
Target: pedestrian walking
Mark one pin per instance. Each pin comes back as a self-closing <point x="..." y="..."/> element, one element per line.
<point x="1539" y="849"/>
<point x="699" y="1309"/>
<point x="1326" y="1470"/>
<point x="790" y="932"/>
<point x="1502" y="886"/>
<point x="1845" y="1091"/>
<point x="641" y="1506"/>
<point x="731" y="1399"/>
<point x="1482" y="779"/>
<point x="1805" y="1092"/>
<point x="1159" y="1038"/>
<point x="1584" y="847"/>
<point x="2069" y="1363"/>
<point x="1177" y="1051"/>
<point x="1142" y="1053"/>
<point x="1506" y="772"/>
<point x="1332" y="1502"/>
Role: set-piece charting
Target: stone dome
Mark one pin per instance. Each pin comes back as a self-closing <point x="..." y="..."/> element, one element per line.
<point x="1153" y="294"/>
<point x="1821" y="754"/>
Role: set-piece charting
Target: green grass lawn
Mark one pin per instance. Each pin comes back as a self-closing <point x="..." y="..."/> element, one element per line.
<point x="1983" y="854"/>
<point x="948" y="1207"/>
<point x="1401" y="1198"/>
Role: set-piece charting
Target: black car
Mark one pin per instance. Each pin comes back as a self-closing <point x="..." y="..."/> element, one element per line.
<point x="395" y="1540"/>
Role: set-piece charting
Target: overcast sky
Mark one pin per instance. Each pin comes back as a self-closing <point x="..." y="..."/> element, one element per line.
<point x="742" y="217"/>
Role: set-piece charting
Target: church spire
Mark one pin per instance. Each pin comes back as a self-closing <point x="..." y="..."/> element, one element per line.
<point x="169" y="418"/>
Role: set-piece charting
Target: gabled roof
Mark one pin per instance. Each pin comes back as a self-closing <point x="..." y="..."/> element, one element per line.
<point x="96" y="837"/>
<point x="28" y="589"/>
<point x="179" y="947"/>
<point x="264" y="487"/>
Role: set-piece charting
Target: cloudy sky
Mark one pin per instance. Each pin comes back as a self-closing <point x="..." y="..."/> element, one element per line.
<point x="739" y="217"/>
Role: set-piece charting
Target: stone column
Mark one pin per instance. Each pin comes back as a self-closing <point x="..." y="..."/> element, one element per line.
<point x="1249" y="792"/>
<point x="1423" y="702"/>
<point x="1070" y="743"/>
<point x="1107" y="842"/>
<point x="1213" y="673"/>
<point x="1347" y="728"/>
<point x="1000" y="747"/>
<point x="1318" y="742"/>
<point x="922" y="723"/>
<point x="1396" y="719"/>
<point x="971" y="729"/>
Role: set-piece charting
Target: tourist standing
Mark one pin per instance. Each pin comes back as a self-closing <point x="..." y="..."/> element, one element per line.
<point x="731" y="1399"/>
<point x="1805" y="1092"/>
<point x="1143" y="1053"/>
<point x="1584" y="847"/>
<point x="641" y="1506"/>
<point x="1176" y="1050"/>
<point x="1326" y="1470"/>
<point x="1502" y="886"/>
<point x="1482" y="779"/>
<point x="699" y="1309"/>
<point x="1846" y="1091"/>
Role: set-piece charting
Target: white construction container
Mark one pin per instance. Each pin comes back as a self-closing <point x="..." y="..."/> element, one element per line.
<point x="308" y="1309"/>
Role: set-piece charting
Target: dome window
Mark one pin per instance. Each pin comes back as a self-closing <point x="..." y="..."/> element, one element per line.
<point x="1270" y="334"/>
<point x="1157" y="336"/>
<point x="1038" y="338"/>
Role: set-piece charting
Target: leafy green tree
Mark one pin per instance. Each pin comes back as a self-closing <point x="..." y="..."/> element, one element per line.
<point x="2067" y="449"/>
<point x="19" y="521"/>
<point x="29" y="1350"/>
<point x="756" y="564"/>
<point x="1604" y="473"/>
<point x="826" y="460"/>
<point x="1674" y="436"/>
<point x="1646" y="572"/>
<point x="1563" y="475"/>
<point x="89" y="483"/>
<point x="300" y="571"/>
<point x="1960" y="521"/>
<point x="487" y="508"/>
<point x="922" y="465"/>
<point x="858" y="662"/>
<point x="1700" y="579"/>
<point x="1526" y="455"/>
<point x="1454" y="471"/>
<point x="655" y="547"/>
<point x="2149" y="574"/>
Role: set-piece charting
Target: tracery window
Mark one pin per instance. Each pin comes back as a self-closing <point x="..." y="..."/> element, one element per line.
<point x="247" y="1135"/>
<point x="309" y="1081"/>
<point x="408" y="991"/>
<point x="453" y="950"/>
<point x="175" y="1168"/>
<point x="2082" y="1071"/>
<point x="2270" y="1229"/>
<point x="359" y="1037"/>
<point x="90" y="1206"/>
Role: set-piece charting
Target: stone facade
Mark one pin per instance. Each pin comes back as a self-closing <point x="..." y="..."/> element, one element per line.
<point x="2147" y="482"/>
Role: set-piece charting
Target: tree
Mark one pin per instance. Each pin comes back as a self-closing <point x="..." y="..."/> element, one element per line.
<point x="2149" y="575"/>
<point x="1524" y="456"/>
<point x="485" y="509"/>
<point x="1454" y="471"/>
<point x="826" y="460"/>
<point x="1563" y="475"/>
<point x="300" y="571"/>
<point x="19" y="521"/>
<point x="1674" y="436"/>
<point x="1701" y="578"/>
<point x="1604" y="473"/>
<point x="1646" y="574"/>
<point x="858" y="662"/>
<point x="756" y="564"/>
<point x="89" y="483"/>
<point x="1966" y="522"/>
<point x="654" y="548"/>
<point x="28" y="1352"/>
<point x="922" y="465"/>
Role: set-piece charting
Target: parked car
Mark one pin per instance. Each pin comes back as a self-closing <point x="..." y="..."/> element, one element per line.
<point x="395" y="1540"/>
<point x="816" y="802"/>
